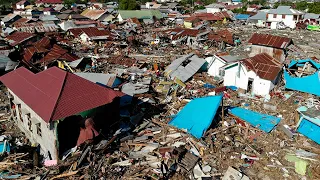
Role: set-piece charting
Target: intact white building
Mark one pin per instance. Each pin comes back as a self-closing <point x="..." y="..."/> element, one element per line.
<point x="217" y="62"/>
<point x="284" y="14"/>
<point x="22" y="4"/>
<point x="257" y="75"/>
<point x="213" y="8"/>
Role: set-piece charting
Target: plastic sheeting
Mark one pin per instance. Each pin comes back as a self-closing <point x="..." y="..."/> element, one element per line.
<point x="309" y="84"/>
<point x="197" y="115"/>
<point x="262" y="121"/>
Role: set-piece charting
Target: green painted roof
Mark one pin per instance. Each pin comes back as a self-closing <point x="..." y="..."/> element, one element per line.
<point x="140" y="14"/>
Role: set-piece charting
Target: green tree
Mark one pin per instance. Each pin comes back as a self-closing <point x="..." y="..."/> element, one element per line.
<point x="127" y="5"/>
<point x="314" y="8"/>
<point x="302" y="5"/>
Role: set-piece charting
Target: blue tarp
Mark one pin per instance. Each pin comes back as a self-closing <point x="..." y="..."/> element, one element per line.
<point x="4" y="147"/>
<point x="197" y="115"/>
<point x="309" y="126"/>
<point x="309" y="84"/>
<point x="262" y="121"/>
<point x="242" y="16"/>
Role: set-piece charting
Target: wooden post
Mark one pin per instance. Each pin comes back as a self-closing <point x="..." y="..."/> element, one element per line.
<point x="222" y="109"/>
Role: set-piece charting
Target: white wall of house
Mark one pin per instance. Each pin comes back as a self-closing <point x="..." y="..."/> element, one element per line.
<point x="47" y="13"/>
<point x="48" y="138"/>
<point x="120" y="19"/>
<point x="20" y="6"/>
<point x="288" y="20"/>
<point x="84" y="38"/>
<point x="239" y="76"/>
<point x="213" y="10"/>
<point x="273" y="52"/>
<point x="215" y="63"/>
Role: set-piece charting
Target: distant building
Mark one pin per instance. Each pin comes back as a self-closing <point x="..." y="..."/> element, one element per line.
<point x="213" y="8"/>
<point x="283" y="14"/>
<point x="22" y="4"/>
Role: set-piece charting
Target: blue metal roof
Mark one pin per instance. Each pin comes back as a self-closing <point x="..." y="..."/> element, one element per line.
<point x="242" y="16"/>
<point x="197" y="115"/>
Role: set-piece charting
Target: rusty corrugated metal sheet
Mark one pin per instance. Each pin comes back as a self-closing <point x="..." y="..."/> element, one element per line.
<point x="121" y="60"/>
<point x="265" y="66"/>
<point x="19" y="37"/>
<point x="270" y="40"/>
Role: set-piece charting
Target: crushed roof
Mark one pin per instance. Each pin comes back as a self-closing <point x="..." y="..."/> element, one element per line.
<point x="91" y="32"/>
<point x="270" y="40"/>
<point x="58" y="52"/>
<point x="222" y="35"/>
<point x="265" y="66"/>
<point x="120" y="60"/>
<point x="55" y="94"/>
<point x="19" y="37"/>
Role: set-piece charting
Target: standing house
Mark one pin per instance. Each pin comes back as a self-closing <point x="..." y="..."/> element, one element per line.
<point x="275" y="46"/>
<point x="88" y="35"/>
<point x="259" y="19"/>
<point x="22" y="4"/>
<point x="48" y="2"/>
<point x="257" y="74"/>
<point x="213" y="8"/>
<point x="311" y="18"/>
<point x="218" y="61"/>
<point x="50" y="106"/>
<point x="283" y="14"/>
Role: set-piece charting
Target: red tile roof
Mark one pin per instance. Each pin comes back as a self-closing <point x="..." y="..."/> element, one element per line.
<point x="57" y="53"/>
<point x="91" y="32"/>
<point x="270" y="40"/>
<point x="265" y="66"/>
<point x="38" y="47"/>
<point x="55" y="94"/>
<point x="19" y="37"/>
<point x="222" y="35"/>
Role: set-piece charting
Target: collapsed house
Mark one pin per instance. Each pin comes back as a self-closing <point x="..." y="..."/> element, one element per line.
<point x="258" y="74"/>
<point x="304" y="76"/>
<point x="275" y="46"/>
<point x="184" y="67"/>
<point x="309" y="123"/>
<point x="51" y="107"/>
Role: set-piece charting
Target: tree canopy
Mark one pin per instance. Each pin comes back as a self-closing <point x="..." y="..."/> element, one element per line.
<point x="127" y="5"/>
<point x="301" y="5"/>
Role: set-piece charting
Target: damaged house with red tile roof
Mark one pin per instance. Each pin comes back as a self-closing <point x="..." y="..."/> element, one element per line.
<point x="190" y="37"/>
<point x="90" y="35"/>
<point x="53" y="108"/>
<point x="20" y="38"/>
<point x="221" y="38"/>
<point x="275" y="46"/>
<point x="258" y="74"/>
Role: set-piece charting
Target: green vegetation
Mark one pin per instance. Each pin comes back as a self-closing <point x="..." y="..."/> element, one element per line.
<point x="127" y="5"/>
<point x="302" y="5"/>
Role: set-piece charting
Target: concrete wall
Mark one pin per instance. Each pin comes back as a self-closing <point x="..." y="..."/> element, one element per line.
<point x="274" y="52"/>
<point x="215" y="63"/>
<point x="213" y="10"/>
<point x="48" y="138"/>
<point x="238" y="76"/>
<point x="288" y="20"/>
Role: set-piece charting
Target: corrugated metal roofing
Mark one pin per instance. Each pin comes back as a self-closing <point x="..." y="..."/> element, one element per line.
<point x="222" y="35"/>
<point x="55" y="94"/>
<point x="19" y="37"/>
<point x="93" y="14"/>
<point x="49" y="1"/>
<point x="270" y="40"/>
<point x="177" y="69"/>
<point x="58" y="52"/>
<point x="91" y="32"/>
<point x="265" y="66"/>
